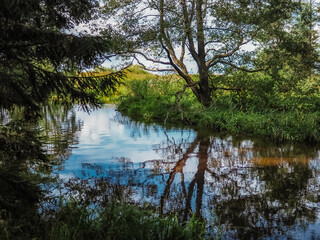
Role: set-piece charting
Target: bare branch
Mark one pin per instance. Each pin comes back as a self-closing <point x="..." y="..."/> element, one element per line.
<point x="215" y="41"/>
<point x="178" y="70"/>
<point x="218" y="28"/>
<point x="142" y="10"/>
<point x="152" y="69"/>
<point x="151" y="59"/>
<point x="165" y="37"/>
<point x="213" y="49"/>
<point x="205" y="9"/>
<point x="183" y="48"/>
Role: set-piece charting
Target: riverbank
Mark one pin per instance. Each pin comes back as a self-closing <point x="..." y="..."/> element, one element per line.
<point x="275" y="126"/>
<point x="273" y="115"/>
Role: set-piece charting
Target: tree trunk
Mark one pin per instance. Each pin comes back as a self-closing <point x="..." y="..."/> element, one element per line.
<point x="201" y="90"/>
<point x="204" y="89"/>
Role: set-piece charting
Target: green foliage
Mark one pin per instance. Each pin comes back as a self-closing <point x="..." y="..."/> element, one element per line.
<point x="119" y="222"/>
<point x="132" y="73"/>
<point x="278" y="126"/>
<point x="257" y="106"/>
<point x="40" y="56"/>
<point x="260" y="92"/>
<point x="143" y="100"/>
<point x="21" y="156"/>
<point x="155" y="97"/>
<point x="294" y="47"/>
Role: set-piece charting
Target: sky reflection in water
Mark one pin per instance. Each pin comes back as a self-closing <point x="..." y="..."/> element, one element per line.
<point x="248" y="189"/>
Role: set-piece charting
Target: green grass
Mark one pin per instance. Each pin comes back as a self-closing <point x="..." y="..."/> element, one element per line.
<point x="119" y="222"/>
<point x="277" y="126"/>
<point x="283" y="117"/>
<point x="74" y="221"/>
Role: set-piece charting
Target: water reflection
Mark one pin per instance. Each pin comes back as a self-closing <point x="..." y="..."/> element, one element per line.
<point x="60" y="127"/>
<point x="245" y="188"/>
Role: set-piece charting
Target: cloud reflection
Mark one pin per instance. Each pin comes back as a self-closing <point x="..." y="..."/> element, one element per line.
<point x="251" y="188"/>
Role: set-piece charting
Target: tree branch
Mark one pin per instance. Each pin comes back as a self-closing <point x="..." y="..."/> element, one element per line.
<point x="183" y="48"/>
<point x="241" y="68"/>
<point x="152" y="69"/>
<point x="178" y="70"/>
<point x="188" y="31"/>
<point x="151" y="59"/>
<point x="178" y="96"/>
<point x="169" y="48"/>
<point x="227" y="54"/>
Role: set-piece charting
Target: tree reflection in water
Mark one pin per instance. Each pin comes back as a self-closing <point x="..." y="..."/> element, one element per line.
<point x="246" y="188"/>
<point x="60" y="128"/>
<point x="250" y="188"/>
<point x="26" y="167"/>
<point x="254" y="191"/>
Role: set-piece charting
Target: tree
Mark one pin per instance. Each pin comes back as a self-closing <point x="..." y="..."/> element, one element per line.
<point x="209" y="32"/>
<point x="293" y="47"/>
<point x="41" y="54"/>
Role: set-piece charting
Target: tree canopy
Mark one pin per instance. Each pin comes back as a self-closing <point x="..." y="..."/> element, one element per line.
<point x="213" y="35"/>
<point x="41" y="54"/>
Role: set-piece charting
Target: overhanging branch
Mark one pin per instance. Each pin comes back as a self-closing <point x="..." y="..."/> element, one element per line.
<point x="153" y="69"/>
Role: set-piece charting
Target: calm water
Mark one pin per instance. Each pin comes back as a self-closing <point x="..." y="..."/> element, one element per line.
<point x="245" y="189"/>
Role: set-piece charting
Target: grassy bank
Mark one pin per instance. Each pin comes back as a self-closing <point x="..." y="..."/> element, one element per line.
<point x="261" y="110"/>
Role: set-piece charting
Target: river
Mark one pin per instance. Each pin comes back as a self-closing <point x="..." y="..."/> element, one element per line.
<point x="244" y="188"/>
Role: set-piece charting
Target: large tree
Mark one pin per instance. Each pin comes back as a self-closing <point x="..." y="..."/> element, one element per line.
<point x="42" y="54"/>
<point x="213" y="34"/>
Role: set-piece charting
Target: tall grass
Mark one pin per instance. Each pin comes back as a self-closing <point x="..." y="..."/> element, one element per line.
<point x="74" y="221"/>
<point x="116" y="221"/>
